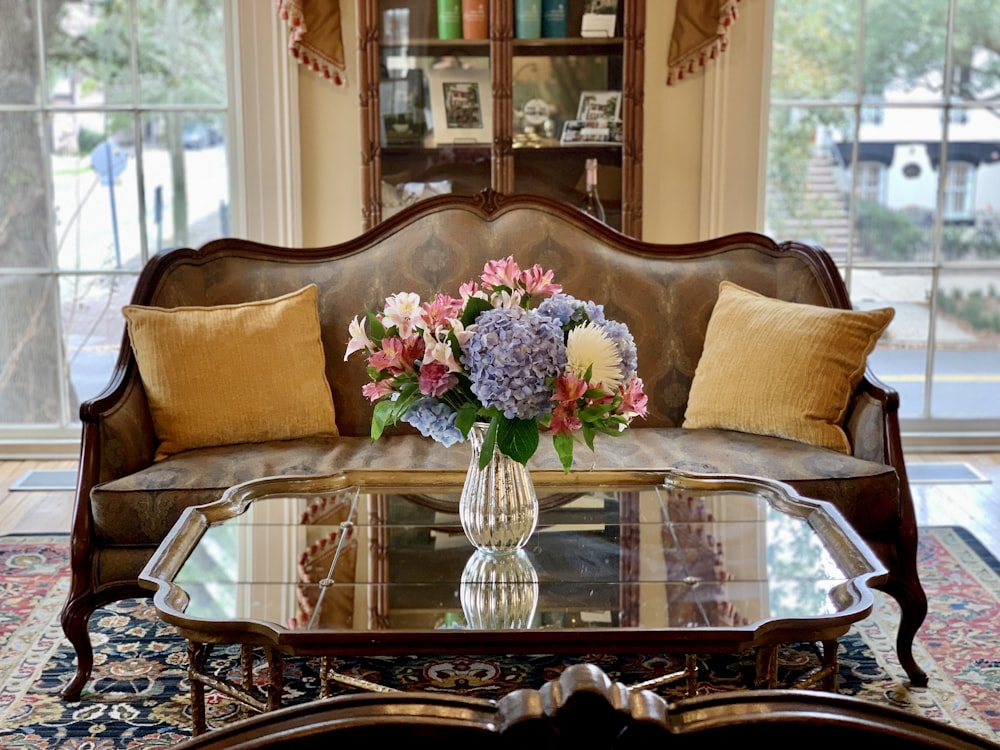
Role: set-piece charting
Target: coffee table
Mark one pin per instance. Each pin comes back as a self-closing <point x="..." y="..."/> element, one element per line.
<point x="376" y="563"/>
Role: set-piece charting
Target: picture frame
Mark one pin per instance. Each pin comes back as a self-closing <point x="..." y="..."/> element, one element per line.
<point x="599" y="18"/>
<point x="461" y="106"/>
<point x="401" y="106"/>
<point x="591" y="133"/>
<point x="599" y="105"/>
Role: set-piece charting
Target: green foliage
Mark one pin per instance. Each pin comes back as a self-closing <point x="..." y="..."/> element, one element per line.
<point x="884" y="234"/>
<point x="980" y="310"/>
<point x="178" y="61"/>
<point x="87" y="140"/>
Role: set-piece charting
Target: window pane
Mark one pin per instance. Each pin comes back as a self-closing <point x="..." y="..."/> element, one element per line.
<point x="23" y="204"/>
<point x="29" y="344"/>
<point x="92" y="329"/>
<point x="187" y="180"/>
<point x="905" y="48"/>
<point x="975" y="56"/>
<point x="815" y="50"/>
<point x="88" y="60"/>
<point x="18" y="51"/>
<point x="808" y="176"/>
<point x="966" y="379"/>
<point x="95" y="192"/>
<point x="900" y="359"/>
<point x="181" y="52"/>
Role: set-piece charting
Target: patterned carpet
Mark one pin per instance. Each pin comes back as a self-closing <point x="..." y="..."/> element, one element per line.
<point x="138" y="697"/>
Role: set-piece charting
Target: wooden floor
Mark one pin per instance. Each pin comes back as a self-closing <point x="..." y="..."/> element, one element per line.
<point x="975" y="506"/>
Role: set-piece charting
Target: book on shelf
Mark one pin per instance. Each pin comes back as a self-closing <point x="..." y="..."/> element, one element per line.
<point x="475" y="19"/>
<point x="449" y="18"/>
<point x="554" y="18"/>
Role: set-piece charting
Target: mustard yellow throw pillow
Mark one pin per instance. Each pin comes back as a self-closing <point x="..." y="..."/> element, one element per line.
<point x="780" y="368"/>
<point x="231" y="374"/>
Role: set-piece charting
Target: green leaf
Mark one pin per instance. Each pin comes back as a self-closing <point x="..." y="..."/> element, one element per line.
<point x="389" y="412"/>
<point x="376" y="331"/>
<point x="489" y="443"/>
<point x="465" y="417"/>
<point x="563" y="444"/>
<point x="473" y="308"/>
<point x="517" y="438"/>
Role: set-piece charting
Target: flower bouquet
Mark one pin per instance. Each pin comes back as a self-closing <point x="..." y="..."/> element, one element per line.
<point x="512" y="351"/>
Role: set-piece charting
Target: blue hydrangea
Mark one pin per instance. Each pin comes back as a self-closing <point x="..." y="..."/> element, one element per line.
<point x="563" y="307"/>
<point x="509" y="355"/>
<point x="622" y="337"/>
<point x="567" y="309"/>
<point x="434" y="419"/>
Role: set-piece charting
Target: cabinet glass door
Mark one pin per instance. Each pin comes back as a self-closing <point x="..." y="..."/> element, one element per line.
<point x="435" y="105"/>
<point x="567" y="109"/>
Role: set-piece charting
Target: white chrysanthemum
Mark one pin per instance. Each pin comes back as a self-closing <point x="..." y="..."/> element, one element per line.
<point x="587" y="346"/>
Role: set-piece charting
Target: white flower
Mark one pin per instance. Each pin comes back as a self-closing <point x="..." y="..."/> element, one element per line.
<point x="588" y="346"/>
<point x="403" y="311"/>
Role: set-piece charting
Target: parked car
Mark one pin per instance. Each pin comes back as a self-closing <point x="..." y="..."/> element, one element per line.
<point x="200" y="135"/>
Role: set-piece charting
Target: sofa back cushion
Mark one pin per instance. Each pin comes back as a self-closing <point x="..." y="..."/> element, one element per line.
<point x="665" y="294"/>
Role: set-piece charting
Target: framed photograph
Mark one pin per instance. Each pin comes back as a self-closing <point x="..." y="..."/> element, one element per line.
<point x="401" y="104"/>
<point x="599" y="18"/>
<point x="600" y="105"/>
<point x="461" y="105"/>
<point x="585" y="132"/>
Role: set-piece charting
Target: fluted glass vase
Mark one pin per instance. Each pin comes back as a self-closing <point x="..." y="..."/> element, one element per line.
<point x="498" y="506"/>
<point x="499" y="592"/>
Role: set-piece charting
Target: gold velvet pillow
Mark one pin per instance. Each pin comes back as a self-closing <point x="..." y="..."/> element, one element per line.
<point x="231" y="374"/>
<point x="780" y="368"/>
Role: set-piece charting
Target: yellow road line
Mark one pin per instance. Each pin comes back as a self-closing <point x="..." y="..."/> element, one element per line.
<point x="984" y="378"/>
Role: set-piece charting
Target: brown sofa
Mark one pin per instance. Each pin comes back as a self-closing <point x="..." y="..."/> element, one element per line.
<point x="126" y="502"/>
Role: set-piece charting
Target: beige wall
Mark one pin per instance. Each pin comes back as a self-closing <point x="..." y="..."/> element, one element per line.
<point x="702" y="150"/>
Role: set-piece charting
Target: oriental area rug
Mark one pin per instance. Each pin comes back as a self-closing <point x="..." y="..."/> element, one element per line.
<point x="138" y="696"/>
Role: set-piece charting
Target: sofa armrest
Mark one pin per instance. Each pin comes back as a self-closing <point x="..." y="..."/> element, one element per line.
<point x="118" y="438"/>
<point x="868" y="424"/>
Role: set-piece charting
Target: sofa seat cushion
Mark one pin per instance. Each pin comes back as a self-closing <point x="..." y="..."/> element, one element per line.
<point x="140" y="509"/>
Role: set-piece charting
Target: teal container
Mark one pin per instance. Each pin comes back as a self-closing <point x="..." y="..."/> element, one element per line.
<point x="528" y="19"/>
<point x="554" y="18"/>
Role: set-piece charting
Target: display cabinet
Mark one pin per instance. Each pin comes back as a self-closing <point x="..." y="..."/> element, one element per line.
<point x="461" y="95"/>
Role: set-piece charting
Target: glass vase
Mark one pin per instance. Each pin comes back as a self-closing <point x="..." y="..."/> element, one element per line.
<point x="498" y="506"/>
<point x="499" y="592"/>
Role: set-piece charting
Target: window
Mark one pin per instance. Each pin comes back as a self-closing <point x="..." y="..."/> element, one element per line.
<point x="958" y="191"/>
<point x="116" y="135"/>
<point x="871" y="182"/>
<point x="921" y="239"/>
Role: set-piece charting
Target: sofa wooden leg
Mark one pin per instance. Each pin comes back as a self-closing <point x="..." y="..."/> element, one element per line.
<point x="912" y="611"/>
<point x="75" y="618"/>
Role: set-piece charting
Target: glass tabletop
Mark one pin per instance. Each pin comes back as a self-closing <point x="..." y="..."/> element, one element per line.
<point x="344" y="554"/>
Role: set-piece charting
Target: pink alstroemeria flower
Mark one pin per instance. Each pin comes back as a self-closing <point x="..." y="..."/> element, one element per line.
<point x="438" y="311"/>
<point x="569" y="388"/>
<point x="537" y="281"/>
<point x="634" y="399"/>
<point x="564" y="420"/>
<point x="378" y="389"/>
<point x="504" y="272"/>
<point x="394" y="356"/>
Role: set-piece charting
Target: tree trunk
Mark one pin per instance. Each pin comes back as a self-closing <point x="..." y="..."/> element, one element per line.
<point x="31" y="363"/>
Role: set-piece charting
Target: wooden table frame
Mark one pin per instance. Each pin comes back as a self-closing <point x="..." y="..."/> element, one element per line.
<point x="852" y="555"/>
